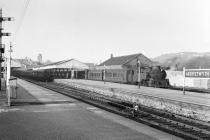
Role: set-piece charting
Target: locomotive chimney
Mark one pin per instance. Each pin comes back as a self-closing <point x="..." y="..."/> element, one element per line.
<point x="111" y="55"/>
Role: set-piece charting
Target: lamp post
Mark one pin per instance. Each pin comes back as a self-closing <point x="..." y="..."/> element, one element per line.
<point x="139" y="72"/>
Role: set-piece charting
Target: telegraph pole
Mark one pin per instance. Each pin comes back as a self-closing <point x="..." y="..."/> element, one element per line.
<point x="1" y="45"/>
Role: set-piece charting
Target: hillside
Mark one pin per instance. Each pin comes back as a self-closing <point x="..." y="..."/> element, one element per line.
<point x="184" y="59"/>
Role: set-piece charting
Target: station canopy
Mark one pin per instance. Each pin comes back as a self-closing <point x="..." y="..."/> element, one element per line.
<point x="70" y="64"/>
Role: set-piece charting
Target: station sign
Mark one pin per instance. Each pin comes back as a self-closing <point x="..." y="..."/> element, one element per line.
<point x="197" y="73"/>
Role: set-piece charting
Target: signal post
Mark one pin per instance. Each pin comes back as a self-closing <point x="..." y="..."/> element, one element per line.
<point x="2" y="49"/>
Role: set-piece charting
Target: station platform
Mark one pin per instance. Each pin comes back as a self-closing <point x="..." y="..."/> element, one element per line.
<point x="190" y="97"/>
<point x="191" y="104"/>
<point x="39" y="113"/>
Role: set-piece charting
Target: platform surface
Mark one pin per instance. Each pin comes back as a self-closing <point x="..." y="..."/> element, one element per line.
<point x="60" y="117"/>
<point x="188" y="97"/>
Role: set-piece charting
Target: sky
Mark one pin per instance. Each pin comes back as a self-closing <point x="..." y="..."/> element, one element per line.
<point x="90" y="30"/>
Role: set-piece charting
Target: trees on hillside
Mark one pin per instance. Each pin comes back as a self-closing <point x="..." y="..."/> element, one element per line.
<point x="177" y="63"/>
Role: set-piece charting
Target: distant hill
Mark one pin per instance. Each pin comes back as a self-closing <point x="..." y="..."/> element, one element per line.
<point x="184" y="59"/>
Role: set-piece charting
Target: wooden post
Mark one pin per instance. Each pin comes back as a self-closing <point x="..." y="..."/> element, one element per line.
<point x="184" y="80"/>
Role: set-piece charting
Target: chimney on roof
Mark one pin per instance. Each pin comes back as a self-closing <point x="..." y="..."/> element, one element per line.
<point x="111" y="55"/>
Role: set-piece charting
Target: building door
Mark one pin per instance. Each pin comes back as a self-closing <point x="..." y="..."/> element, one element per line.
<point x="130" y="76"/>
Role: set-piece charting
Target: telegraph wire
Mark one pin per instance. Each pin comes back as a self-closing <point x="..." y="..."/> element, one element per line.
<point x="21" y="19"/>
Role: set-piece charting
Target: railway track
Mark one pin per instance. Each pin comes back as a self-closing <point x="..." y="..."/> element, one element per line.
<point x="186" y="128"/>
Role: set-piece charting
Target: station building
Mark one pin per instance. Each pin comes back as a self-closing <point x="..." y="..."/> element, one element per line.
<point x="128" y="62"/>
<point x="122" y="68"/>
<point x="22" y="64"/>
<point x="16" y="65"/>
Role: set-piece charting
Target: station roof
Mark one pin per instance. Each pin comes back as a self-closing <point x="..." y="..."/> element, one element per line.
<point x="57" y="63"/>
<point x="123" y="60"/>
<point x="70" y="63"/>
